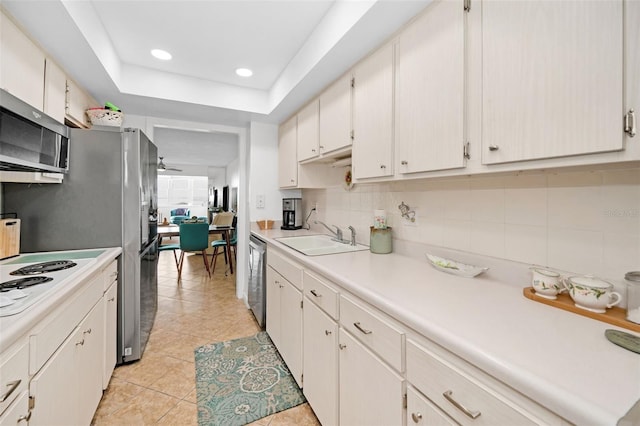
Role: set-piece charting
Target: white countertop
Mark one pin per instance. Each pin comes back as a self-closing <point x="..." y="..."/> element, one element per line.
<point x="559" y="359"/>
<point x="15" y="326"/>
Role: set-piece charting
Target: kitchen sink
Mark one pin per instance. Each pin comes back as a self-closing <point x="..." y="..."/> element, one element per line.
<point x="318" y="245"/>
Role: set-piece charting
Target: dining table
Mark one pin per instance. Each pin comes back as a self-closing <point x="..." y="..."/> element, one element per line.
<point x="172" y="230"/>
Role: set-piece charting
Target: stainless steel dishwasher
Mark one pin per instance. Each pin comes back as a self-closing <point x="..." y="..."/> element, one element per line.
<point x="257" y="291"/>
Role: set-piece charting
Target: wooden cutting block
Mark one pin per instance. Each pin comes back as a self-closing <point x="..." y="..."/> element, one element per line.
<point x="9" y="238"/>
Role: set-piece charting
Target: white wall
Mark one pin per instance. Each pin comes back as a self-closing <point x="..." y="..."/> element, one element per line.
<point x="585" y="222"/>
<point x="263" y="175"/>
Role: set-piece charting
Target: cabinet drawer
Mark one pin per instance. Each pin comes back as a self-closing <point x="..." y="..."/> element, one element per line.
<point x="457" y="393"/>
<point x="292" y="272"/>
<point x="14" y="373"/>
<point x="47" y="337"/>
<point x="321" y="294"/>
<point x="375" y="332"/>
<point x="18" y="411"/>
<point x="110" y="274"/>
<point x="421" y="411"/>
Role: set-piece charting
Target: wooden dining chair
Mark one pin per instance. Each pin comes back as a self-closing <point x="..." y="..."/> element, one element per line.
<point x="194" y="237"/>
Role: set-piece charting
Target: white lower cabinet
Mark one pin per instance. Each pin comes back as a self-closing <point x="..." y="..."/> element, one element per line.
<point x="320" y="357"/>
<point x="110" y="355"/>
<point x="284" y="320"/>
<point x="465" y="393"/>
<point x="421" y="411"/>
<point x="67" y="390"/>
<point x="371" y="393"/>
<point x="18" y="412"/>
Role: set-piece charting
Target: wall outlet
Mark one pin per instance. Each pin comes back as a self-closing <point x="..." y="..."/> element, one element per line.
<point x="260" y="201"/>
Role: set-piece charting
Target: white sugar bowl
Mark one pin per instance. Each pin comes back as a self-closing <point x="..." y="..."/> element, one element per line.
<point x="591" y="293"/>
<point x="546" y="283"/>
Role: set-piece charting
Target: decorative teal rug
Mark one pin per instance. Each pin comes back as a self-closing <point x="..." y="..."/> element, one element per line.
<point x="242" y="380"/>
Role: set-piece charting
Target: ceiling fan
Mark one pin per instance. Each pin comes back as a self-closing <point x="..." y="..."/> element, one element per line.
<point x="163" y="168"/>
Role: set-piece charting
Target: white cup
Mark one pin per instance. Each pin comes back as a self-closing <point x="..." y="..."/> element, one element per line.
<point x="592" y="294"/>
<point x="546" y="283"/>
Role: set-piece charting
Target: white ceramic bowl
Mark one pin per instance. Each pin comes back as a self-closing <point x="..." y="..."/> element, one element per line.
<point x="592" y="294"/>
<point x="546" y="283"/>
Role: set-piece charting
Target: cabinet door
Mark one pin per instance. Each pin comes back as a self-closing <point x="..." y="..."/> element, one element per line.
<point x="370" y="391"/>
<point x="373" y="115"/>
<point x="22" y="64"/>
<point x="430" y="117"/>
<point x="291" y="329"/>
<point x="67" y="390"/>
<point x="55" y="388"/>
<point x="421" y="411"/>
<point x="110" y="333"/>
<point x="335" y="116"/>
<point x="320" y="357"/>
<point x="55" y="87"/>
<point x="78" y="102"/>
<point x="17" y="412"/>
<point x="287" y="155"/>
<point x="274" y="284"/>
<point x="552" y="79"/>
<point x="308" y="131"/>
<point x="89" y="364"/>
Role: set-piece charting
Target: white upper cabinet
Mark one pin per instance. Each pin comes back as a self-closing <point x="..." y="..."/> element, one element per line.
<point x="373" y="115"/>
<point x="308" y="122"/>
<point x="552" y="79"/>
<point x="430" y="109"/>
<point x="55" y="88"/>
<point x="335" y="116"/>
<point x="287" y="154"/>
<point x="22" y="64"/>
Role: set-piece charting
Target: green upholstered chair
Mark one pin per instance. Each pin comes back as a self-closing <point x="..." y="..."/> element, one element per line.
<point x="194" y="237"/>
<point x="177" y="216"/>
<point x="170" y="247"/>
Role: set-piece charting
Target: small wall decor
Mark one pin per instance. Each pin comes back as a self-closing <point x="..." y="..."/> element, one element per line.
<point x="406" y="212"/>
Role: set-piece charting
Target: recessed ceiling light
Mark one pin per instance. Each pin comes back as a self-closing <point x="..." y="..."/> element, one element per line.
<point x="161" y="54"/>
<point x="244" y="72"/>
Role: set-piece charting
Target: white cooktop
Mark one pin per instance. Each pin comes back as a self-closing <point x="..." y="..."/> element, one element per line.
<point x="18" y="300"/>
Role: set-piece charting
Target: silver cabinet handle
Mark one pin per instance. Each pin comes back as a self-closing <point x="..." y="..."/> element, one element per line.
<point x="80" y="343"/>
<point x="630" y="123"/>
<point x="493" y="147"/>
<point x="87" y="331"/>
<point x="111" y="300"/>
<point x="327" y="332"/>
<point x="416" y="417"/>
<point x="24" y="417"/>
<point x="341" y="346"/>
<point x="470" y="413"/>
<point x="363" y="330"/>
<point x="404" y="162"/>
<point x="382" y="166"/>
<point x="315" y="293"/>
<point x="313" y="150"/>
<point x="12" y="387"/>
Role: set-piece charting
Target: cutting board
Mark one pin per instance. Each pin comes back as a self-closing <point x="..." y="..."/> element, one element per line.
<point x="616" y="316"/>
<point x="9" y="238"/>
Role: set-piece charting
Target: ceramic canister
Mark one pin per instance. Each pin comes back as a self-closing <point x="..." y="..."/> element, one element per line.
<point x="380" y="241"/>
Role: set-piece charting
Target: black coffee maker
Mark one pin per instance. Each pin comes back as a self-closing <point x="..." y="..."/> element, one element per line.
<point x="291" y="213"/>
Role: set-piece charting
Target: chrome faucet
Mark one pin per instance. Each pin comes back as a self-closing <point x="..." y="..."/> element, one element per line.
<point x="353" y="235"/>
<point x="337" y="233"/>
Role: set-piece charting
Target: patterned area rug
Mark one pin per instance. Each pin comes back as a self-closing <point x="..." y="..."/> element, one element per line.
<point x="242" y="380"/>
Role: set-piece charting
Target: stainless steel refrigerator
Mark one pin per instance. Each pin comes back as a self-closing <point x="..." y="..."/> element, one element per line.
<point x="108" y="198"/>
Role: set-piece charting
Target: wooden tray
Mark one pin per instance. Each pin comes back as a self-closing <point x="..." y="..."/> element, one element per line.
<point x="615" y="315"/>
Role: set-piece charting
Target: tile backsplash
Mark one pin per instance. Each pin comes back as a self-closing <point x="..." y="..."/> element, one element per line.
<point x="586" y="222"/>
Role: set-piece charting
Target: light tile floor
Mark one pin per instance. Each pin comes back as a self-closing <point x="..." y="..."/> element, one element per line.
<point x="160" y="388"/>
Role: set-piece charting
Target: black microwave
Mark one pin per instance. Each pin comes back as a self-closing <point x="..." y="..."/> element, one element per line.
<point x="29" y="139"/>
